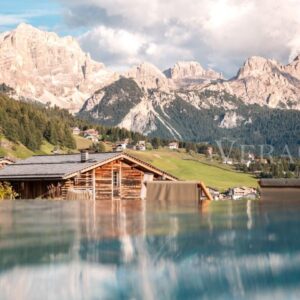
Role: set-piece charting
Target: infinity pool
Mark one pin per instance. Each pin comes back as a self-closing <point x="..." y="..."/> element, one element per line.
<point x="133" y="250"/>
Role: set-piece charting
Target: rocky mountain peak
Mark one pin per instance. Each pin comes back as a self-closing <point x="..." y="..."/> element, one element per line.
<point x="186" y="74"/>
<point x="25" y="27"/>
<point x="26" y="33"/>
<point x="265" y="82"/>
<point x="256" y="66"/>
<point x="148" y="76"/>
<point x="185" y="69"/>
<point x="190" y="70"/>
<point x="42" y="66"/>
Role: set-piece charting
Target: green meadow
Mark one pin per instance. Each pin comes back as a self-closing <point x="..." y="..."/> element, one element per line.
<point x="196" y="167"/>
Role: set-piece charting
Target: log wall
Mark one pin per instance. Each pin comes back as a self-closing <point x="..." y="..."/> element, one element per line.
<point x="103" y="181"/>
<point x="100" y="182"/>
<point x="130" y="182"/>
<point x="132" y="179"/>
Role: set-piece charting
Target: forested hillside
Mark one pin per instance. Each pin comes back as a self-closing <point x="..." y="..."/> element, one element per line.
<point x="32" y="123"/>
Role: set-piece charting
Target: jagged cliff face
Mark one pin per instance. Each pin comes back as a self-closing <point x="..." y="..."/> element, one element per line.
<point x="42" y="66"/>
<point x="185" y="74"/>
<point x="265" y="82"/>
<point x="166" y="100"/>
<point x="168" y="113"/>
<point x="148" y="76"/>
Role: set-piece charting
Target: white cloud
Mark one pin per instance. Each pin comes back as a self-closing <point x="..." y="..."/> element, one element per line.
<point x="115" y="46"/>
<point x="120" y="48"/>
<point x="219" y="33"/>
<point x="115" y="40"/>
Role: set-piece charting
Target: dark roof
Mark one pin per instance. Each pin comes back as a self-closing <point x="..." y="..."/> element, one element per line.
<point x="293" y="182"/>
<point x="52" y="166"/>
<point x="64" y="166"/>
<point x="66" y="158"/>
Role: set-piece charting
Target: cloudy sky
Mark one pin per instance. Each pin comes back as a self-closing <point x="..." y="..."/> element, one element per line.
<point x="219" y="34"/>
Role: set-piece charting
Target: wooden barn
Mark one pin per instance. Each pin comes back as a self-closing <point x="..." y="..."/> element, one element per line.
<point x="98" y="176"/>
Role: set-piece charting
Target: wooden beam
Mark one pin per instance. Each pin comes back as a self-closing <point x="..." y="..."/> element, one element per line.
<point x="94" y="185"/>
<point x="206" y="191"/>
<point x="121" y="184"/>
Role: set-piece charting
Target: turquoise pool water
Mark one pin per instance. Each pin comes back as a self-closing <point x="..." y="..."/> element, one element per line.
<point x="221" y="250"/>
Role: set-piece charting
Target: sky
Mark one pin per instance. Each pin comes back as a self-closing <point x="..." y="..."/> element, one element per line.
<point x="219" y="34"/>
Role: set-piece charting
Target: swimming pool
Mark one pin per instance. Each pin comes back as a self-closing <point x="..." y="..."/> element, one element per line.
<point x="138" y="250"/>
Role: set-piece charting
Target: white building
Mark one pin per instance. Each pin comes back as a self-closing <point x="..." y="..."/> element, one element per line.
<point x="228" y="161"/>
<point x="141" y="146"/>
<point x="242" y="193"/>
<point x="119" y="147"/>
<point x="173" y="145"/>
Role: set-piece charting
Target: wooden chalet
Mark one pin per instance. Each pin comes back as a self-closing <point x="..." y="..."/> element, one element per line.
<point x="98" y="176"/>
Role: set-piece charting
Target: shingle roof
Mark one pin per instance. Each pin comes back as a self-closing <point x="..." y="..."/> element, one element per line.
<point x="67" y="158"/>
<point x="52" y="166"/>
<point x="284" y="182"/>
<point x="65" y="166"/>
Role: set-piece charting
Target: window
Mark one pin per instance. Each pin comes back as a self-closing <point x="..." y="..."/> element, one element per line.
<point x="116" y="179"/>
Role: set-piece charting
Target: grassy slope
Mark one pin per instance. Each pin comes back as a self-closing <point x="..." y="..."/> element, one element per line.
<point x="82" y="143"/>
<point x="15" y="150"/>
<point x="187" y="167"/>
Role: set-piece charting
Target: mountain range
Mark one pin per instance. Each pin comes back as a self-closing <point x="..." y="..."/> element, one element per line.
<point x="185" y="101"/>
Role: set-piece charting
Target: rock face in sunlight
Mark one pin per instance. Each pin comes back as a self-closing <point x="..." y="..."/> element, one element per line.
<point x="41" y="66"/>
<point x="187" y="73"/>
<point x="184" y="101"/>
<point x="231" y="120"/>
<point x="148" y="76"/>
<point x="265" y="82"/>
<point x="187" y="90"/>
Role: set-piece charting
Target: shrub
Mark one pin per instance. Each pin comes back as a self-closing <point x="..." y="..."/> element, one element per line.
<point x="6" y="191"/>
<point x="98" y="147"/>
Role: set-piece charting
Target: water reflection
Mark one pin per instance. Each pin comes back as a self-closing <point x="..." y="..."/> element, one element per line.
<point x="139" y="250"/>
